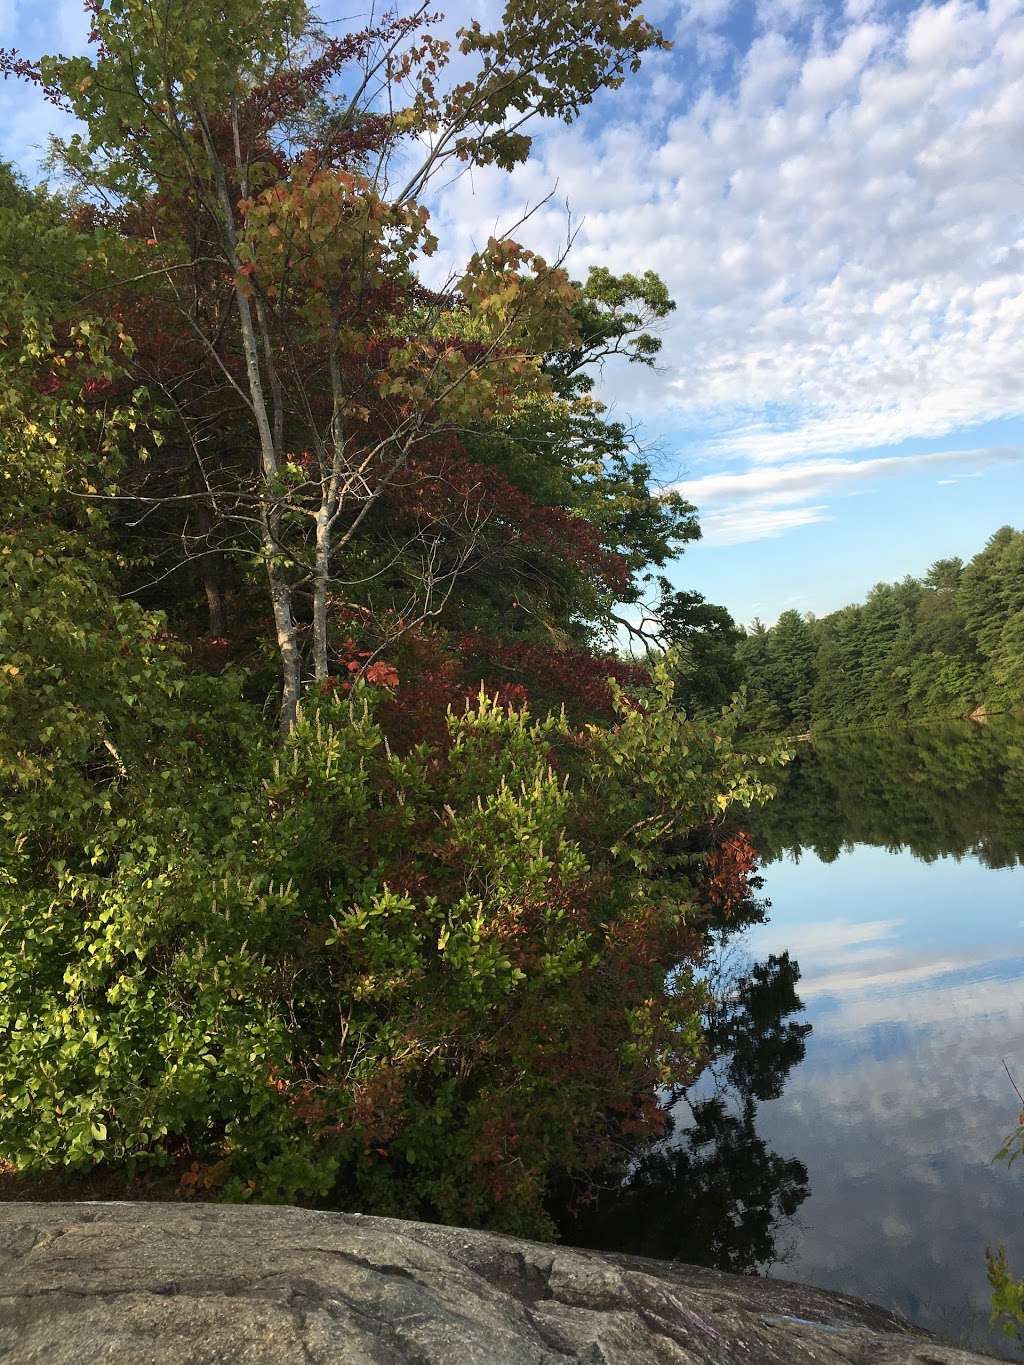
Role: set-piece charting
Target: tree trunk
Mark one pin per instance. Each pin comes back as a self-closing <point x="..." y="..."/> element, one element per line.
<point x="288" y="645"/>
<point x="321" y="572"/>
<point x="209" y="566"/>
<point x="214" y="601"/>
<point x="280" y="589"/>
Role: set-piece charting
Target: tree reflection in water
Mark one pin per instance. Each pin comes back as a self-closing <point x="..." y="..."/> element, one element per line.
<point x="953" y="788"/>
<point x="712" y="1193"/>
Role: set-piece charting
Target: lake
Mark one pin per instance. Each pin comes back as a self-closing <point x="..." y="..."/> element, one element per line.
<point x="845" y="1133"/>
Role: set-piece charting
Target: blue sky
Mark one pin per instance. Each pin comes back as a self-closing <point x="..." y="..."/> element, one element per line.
<point x="834" y="193"/>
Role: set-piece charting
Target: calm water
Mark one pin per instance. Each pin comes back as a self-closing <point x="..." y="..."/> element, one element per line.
<point x="856" y="1153"/>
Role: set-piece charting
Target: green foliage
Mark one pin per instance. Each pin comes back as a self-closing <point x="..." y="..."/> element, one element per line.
<point x="1007" y="1291"/>
<point x="325" y="972"/>
<point x="427" y="978"/>
<point x="612" y="315"/>
<point x="156" y="64"/>
<point x="787" y="673"/>
<point x="941" y="646"/>
<point x="97" y="755"/>
<point x="1007" y="1294"/>
<point x="703" y="638"/>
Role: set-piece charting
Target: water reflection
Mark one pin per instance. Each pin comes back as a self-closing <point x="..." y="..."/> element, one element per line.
<point x="844" y="1131"/>
<point x="894" y="869"/>
<point x="754" y="1040"/>
<point x="937" y="791"/>
<point x="714" y="1193"/>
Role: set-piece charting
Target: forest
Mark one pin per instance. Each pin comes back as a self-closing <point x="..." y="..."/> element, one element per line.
<point x="942" y="645"/>
<point x="344" y="859"/>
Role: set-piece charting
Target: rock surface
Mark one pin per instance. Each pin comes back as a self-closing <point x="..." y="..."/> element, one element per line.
<point x="206" y="1284"/>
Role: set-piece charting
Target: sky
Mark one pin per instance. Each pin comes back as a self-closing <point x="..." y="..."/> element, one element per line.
<point x="833" y="190"/>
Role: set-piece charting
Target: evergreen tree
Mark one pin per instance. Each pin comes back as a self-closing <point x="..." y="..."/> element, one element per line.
<point x="939" y="646"/>
<point x="788" y="674"/>
<point x="980" y="594"/>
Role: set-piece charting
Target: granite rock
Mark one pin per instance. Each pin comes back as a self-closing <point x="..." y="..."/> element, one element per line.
<point x="206" y="1284"/>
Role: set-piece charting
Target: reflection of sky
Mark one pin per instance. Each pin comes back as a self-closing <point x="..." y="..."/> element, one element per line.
<point x="913" y="979"/>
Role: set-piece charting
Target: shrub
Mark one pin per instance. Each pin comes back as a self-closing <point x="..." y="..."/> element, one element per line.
<point x="316" y="970"/>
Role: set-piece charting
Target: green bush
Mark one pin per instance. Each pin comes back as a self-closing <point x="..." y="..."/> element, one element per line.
<point x="1007" y="1291"/>
<point x="315" y="970"/>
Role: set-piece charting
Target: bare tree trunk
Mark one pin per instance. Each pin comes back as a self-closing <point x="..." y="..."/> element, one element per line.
<point x="288" y="645"/>
<point x="218" y="617"/>
<point x="284" y="625"/>
<point x="330" y="497"/>
<point x="280" y="589"/>
<point x="321" y="574"/>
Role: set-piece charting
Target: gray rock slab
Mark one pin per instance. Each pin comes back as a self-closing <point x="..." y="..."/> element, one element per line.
<point x="207" y="1284"/>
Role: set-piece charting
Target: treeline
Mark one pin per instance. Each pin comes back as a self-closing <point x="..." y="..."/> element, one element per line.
<point x="942" y="645"/>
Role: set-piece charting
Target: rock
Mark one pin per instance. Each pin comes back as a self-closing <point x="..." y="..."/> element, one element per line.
<point x="212" y="1283"/>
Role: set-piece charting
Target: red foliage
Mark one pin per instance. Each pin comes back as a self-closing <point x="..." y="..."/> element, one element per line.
<point x="433" y="680"/>
<point x="637" y="945"/>
<point x="289" y="92"/>
<point x="436" y="676"/>
<point x="448" y="486"/>
<point x="378" y="1107"/>
<point x="570" y="676"/>
<point x="11" y="64"/>
<point x="729" y="869"/>
<point x="382" y="675"/>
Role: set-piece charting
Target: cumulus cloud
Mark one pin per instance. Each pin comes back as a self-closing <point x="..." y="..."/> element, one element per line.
<point x="894" y="1146"/>
<point x="833" y="198"/>
<point x="840" y="226"/>
<point x="712" y="12"/>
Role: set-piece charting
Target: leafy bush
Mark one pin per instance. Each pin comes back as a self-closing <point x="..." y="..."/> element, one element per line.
<point x="318" y="970"/>
<point x="401" y="958"/>
<point x="1007" y="1291"/>
<point x="1007" y="1294"/>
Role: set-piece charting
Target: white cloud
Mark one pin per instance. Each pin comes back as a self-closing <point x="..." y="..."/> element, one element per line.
<point x="841" y="224"/>
<point x="782" y="13"/>
<point x="710" y="12"/>
<point x="739" y="525"/>
<point x="874" y="975"/>
<point x="770" y="63"/>
<point x="827" y="78"/>
<point x="787" y="483"/>
<point x="946" y="34"/>
<point x="760" y="502"/>
<point x="825" y="940"/>
<point x="841" y="228"/>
